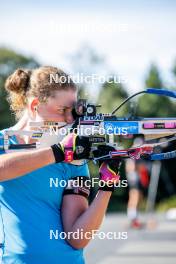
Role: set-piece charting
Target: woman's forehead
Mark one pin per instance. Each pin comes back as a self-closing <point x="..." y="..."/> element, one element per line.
<point x="64" y="98"/>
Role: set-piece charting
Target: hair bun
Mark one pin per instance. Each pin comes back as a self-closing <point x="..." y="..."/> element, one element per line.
<point x="18" y="81"/>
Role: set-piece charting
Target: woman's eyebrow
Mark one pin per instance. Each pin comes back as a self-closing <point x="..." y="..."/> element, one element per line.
<point x="60" y="106"/>
<point x="67" y="106"/>
<point x="63" y="106"/>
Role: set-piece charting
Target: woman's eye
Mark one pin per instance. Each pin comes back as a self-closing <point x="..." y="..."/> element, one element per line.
<point x="61" y="111"/>
<point x="67" y="110"/>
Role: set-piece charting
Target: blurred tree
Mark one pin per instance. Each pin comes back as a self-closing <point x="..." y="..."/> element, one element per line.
<point x="82" y="94"/>
<point x="153" y="79"/>
<point x="9" y="62"/>
<point x="154" y="105"/>
<point x="110" y="96"/>
<point x="87" y="62"/>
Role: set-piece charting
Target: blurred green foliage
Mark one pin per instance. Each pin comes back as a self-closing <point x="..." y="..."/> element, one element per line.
<point x="110" y="96"/>
<point x="153" y="79"/>
<point x="9" y="62"/>
<point x="154" y="105"/>
<point x="166" y="204"/>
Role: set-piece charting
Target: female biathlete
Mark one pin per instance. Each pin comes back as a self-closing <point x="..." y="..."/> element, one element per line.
<point x="31" y="210"/>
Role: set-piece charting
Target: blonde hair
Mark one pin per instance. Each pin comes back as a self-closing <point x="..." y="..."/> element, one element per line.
<point x="24" y="83"/>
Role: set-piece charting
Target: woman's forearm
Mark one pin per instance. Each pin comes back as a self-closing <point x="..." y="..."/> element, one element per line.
<point x="91" y="219"/>
<point x="16" y="164"/>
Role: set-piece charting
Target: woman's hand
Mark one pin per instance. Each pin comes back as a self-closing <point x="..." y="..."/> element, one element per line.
<point x="72" y="147"/>
<point x="109" y="174"/>
<point x="108" y="169"/>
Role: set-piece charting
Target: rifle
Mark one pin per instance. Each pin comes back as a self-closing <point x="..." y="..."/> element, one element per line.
<point x="103" y="129"/>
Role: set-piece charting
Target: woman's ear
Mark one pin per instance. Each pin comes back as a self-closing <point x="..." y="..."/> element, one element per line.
<point x="33" y="106"/>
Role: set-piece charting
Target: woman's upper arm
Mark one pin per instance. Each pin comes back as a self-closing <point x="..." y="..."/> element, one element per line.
<point x="72" y="207"/>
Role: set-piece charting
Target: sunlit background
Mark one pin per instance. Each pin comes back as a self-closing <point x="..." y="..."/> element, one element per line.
<point x="133" y="40"/>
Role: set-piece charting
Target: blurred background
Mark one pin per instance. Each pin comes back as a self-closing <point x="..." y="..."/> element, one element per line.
<point x="132" y="40"/>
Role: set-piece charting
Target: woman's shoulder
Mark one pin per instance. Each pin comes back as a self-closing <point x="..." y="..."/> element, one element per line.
<point x="79" y="170"/>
